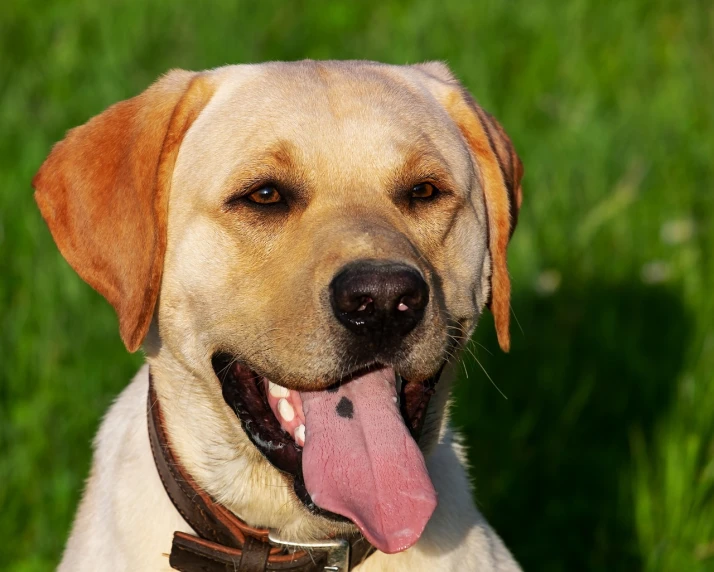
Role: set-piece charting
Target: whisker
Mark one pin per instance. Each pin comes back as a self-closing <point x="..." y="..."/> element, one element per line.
<point x="516" y="318"/>
<point x="489" y="377"/>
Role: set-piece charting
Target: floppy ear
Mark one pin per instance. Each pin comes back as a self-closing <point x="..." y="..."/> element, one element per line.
<point x="501" y="172"/>
<point x="103" y="192"/>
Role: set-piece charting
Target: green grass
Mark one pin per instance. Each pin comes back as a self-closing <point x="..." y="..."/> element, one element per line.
<point x="602" y="457"/>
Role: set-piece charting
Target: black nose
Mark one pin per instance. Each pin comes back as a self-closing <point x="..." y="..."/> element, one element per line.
<point x="381" y="300"/>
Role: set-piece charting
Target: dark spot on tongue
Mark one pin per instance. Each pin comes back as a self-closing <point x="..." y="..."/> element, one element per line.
<point x="345" y="408"/>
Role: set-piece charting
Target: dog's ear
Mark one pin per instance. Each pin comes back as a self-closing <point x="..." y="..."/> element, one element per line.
<point x="501" y="172"/>
<point x="103" y="192"/>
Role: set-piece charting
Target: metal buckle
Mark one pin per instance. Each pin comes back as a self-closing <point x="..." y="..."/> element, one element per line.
<point x="338" y="550"/>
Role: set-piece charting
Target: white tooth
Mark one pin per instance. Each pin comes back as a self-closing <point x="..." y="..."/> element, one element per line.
<point x="286" y="410"/>
<point x="300" y="434"/>
<point x="278" y="390"/>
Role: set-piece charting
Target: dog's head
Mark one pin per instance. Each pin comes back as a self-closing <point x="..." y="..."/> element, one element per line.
<point x="320" y="237"/>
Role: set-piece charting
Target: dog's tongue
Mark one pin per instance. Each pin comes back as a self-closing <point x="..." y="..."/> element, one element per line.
<point x="361" y="462"/>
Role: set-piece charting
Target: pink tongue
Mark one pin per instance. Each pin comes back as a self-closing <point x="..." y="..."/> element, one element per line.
<point x="361" y="462"/>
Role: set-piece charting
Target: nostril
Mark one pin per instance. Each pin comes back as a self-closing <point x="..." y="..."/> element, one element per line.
<point x="366" y="303"/>
<point x="414" y="300"/>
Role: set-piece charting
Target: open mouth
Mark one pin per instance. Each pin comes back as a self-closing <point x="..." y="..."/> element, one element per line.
<point x="351" y="449"/>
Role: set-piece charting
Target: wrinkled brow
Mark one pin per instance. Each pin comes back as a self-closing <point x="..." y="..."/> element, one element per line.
<point x="276" y="164"/>
<point x="423" y="164"/>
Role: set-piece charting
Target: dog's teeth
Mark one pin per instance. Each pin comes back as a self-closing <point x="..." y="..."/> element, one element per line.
<point x="286" y="410"/>
<point x="300" y="434"/>
<point x="278" y="390"/>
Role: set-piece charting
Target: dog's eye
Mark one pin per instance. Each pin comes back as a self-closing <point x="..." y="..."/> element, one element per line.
<point x="424" y="191"/>
<point x="265" y="196"/>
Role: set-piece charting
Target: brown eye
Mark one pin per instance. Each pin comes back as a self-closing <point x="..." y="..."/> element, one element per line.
<point x="265" y="196"/>
<point x="424" y="191"/>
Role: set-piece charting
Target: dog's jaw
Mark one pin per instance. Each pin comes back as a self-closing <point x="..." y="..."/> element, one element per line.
<point x="208" y="439"/>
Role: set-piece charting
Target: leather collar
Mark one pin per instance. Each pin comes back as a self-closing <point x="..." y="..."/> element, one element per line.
<point x="225" y="543"/>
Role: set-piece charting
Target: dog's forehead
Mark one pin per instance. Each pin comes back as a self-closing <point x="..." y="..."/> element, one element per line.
<point x="342" y="119"/>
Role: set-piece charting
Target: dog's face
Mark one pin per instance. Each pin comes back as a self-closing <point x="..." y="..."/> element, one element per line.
<point x="326" y="237"/>
<point x="293" y="174"/>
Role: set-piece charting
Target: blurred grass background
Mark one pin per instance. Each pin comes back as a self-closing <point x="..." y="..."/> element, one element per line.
<point x="602" y="457"/>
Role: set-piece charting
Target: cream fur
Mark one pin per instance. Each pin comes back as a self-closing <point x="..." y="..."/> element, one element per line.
<point x="228" y="283"/>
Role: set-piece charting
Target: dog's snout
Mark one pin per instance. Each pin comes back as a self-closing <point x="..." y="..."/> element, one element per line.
<point x="379" y="299"/>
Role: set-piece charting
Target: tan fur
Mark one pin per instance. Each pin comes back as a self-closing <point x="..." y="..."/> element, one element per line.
<point x="104" y="191"/>
<point x="142" y="196"/>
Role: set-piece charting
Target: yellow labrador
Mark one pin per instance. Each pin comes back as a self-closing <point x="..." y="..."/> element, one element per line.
<point x="300" y="248"/>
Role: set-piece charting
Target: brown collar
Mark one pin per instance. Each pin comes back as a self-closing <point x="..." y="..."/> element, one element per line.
<point x="225" y="543"/>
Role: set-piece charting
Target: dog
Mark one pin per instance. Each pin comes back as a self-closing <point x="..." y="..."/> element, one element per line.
<point x="299" y="248"/>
